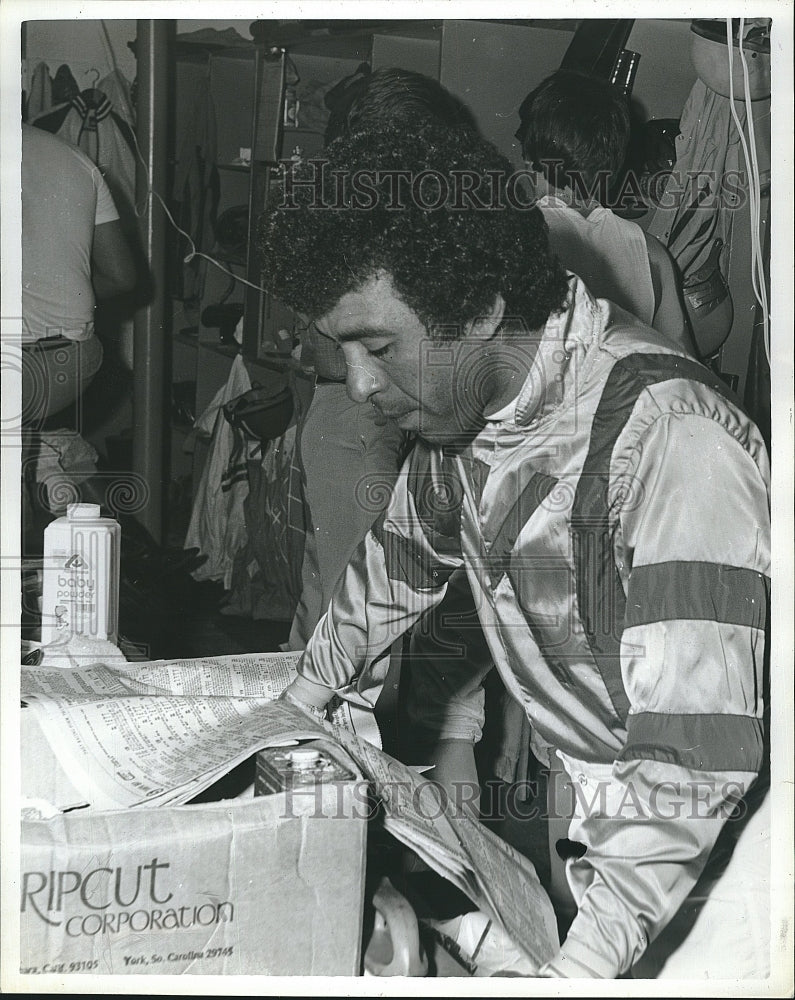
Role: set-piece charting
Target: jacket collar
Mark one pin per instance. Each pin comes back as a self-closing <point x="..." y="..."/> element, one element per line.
<point x="565" y="340"/>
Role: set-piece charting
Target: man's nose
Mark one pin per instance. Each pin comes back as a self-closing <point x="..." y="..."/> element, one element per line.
<point x="363" y="378"/>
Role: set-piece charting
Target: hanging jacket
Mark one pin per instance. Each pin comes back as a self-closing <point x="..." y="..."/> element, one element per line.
<point x="703" y="192"/>
<point x="217" y="525"/>
<point x="118" y="90"/>
<point x="40" y="96"/>
<point x="90" y="123"/>
<point x="64" y="86"/>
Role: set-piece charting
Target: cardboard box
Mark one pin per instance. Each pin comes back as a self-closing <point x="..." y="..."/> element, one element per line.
<point x="264" y="886"/>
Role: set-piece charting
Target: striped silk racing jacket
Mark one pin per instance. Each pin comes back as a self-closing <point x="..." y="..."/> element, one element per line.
<point x="614" y="528"/>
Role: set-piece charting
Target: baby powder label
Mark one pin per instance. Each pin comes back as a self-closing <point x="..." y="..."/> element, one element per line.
<point x="80" y="569"/>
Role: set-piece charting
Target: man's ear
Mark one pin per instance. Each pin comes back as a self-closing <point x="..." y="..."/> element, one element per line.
<point x="485" y="327"/>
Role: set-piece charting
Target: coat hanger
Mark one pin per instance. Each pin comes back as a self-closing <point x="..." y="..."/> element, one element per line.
<point x="91" y="96"/>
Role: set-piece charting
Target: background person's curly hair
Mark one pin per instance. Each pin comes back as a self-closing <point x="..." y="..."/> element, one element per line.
<point x="446" y="263"/>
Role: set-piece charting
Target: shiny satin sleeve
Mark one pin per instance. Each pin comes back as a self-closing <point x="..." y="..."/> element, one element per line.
<point x="693" y="547"/>
<point x="399" y="571"/>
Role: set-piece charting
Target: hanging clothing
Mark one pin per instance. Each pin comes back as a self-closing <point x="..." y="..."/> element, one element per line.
<point x="266" y="581"/>
<point x="90" y="122"/>
<point x="217" y="526"/>
<point x="118" y="90"/>
<point x="696" y="216"/>
<point x="64" y="86"/>
<point x="196" y="192"/>
<point x="40" y="96"/>
<point x="703" y="189"/>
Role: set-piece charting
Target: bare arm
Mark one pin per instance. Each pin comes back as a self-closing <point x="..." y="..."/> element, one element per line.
<point x="112" y="265"/>
<point x="455" y="770"/>
<point x="670" y="316"/>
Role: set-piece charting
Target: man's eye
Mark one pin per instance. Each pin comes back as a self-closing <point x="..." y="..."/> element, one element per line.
<point x="380" y="352"/>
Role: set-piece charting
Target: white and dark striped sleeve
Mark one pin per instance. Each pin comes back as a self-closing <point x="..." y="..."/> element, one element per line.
<point x="697" y="597"/>
<point x="692" y="651"/>
<point x="398" y="572"/>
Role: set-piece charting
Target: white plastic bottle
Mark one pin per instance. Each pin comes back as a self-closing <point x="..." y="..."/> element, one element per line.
<point x="81" y="576"/>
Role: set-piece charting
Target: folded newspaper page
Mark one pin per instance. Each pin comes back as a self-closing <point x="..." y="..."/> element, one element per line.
<point x="159" y="733"/>
<point x="500" y="881"/>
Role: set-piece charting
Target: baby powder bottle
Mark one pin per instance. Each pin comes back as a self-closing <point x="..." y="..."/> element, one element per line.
<point x="81" y="576"/>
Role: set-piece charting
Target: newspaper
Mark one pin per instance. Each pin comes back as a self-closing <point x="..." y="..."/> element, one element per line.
<point x="500" y="881"/>
<point x="159" y="733"/>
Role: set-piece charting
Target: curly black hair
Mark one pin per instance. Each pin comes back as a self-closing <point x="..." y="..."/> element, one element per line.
<point x="436" y="208"/>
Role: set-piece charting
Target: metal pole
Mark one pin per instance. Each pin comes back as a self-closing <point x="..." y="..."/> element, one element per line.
<point x="149" y="359"/>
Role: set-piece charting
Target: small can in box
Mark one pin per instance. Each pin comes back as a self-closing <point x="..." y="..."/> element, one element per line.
<point x="281" y="769"/>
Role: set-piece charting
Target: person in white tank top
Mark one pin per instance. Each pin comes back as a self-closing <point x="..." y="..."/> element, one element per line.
<point x="575" y="134"/>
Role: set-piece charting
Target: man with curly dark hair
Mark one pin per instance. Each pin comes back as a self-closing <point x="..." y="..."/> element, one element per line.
<point x="605" y="494"/>
<point x="447" y="241"/>
<point x="337" y="436"/>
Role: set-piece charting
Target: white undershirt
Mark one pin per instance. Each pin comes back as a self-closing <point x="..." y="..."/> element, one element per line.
<point x="607" y="252"/>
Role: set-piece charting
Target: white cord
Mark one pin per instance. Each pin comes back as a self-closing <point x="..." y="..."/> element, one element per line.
<point x="754" y="185"/>
<point x="759" y="285"/>
<point x="193" y="252"/>
<point x="150" y="191"/>
<point x="757" y="271"/>
<point x="109" y="45"/>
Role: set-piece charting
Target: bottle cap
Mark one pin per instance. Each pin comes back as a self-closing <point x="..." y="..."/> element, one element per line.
<point x="304" y="757"/>
<point x="83" y="511"/>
